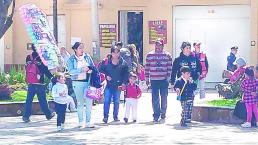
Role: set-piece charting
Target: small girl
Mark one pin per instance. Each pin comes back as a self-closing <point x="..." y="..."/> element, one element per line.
<point x="248" y="86"/>
<point x="132" y="93"/>
<point x="60" y="95"/>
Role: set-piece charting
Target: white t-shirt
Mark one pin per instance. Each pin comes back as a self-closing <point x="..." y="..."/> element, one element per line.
<point x="56" y="90"/>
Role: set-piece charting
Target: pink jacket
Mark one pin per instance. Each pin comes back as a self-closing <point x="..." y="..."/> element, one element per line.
<point x="236" y="74"/>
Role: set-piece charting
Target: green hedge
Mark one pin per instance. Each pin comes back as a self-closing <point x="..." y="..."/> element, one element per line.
<point x="224" y="102"/>
<point x="20" y="96"/>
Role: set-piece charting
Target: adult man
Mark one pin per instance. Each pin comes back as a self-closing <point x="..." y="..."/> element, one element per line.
<point x="157" y="72"/>
<point x="204" y="65"/>
<point x="231" y="59"/>
<point x="36" y="85"/>
<point x="186" y="59"/>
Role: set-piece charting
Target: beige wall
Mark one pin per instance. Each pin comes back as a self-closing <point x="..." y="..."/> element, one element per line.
<point x="78" y="21"/>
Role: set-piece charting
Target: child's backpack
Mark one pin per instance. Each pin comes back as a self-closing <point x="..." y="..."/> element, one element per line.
<point x="32" y="71"/>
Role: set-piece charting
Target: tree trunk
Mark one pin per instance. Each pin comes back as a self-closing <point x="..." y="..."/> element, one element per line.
<point x="5" y="21"/>
<point x="55" y="20"/>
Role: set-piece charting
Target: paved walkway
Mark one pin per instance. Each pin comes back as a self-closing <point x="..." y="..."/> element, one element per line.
<point x="41" y="131"/>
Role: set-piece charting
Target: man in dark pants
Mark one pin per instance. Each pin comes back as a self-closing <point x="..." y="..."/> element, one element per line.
<point x="157" y="72"/>
<point x="37" y="87"/>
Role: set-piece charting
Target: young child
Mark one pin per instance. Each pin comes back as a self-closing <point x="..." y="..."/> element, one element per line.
<point x="248" y="86"/>
<point x="185" y="88"/>
<point x="60" y="95"/>
<point x="132" y="93"/>
<point x="70" y="100"/>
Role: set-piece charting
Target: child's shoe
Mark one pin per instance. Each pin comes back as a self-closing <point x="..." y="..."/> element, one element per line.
<point x="126" y="120"/>
<point x="246" y="125"/>
<point x="183" y="124"/>
<point x="62" y="126"/>
<point x="59" y="128"/>
<point x="162" y="120"/>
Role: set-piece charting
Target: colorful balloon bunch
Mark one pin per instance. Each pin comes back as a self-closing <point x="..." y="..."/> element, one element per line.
<point x="39" y="31"/>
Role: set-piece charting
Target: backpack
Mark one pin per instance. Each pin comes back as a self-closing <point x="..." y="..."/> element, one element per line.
<point x="32" y="71"/>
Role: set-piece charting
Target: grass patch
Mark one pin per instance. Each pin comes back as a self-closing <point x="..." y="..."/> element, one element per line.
<point x="20" y="96"/>
<point x="224" y="102"/>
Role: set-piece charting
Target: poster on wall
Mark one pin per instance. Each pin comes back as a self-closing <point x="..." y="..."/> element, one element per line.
<point x="157" y="29"/>
<point x="37" y="27"/>
<point x="107" y="34"/>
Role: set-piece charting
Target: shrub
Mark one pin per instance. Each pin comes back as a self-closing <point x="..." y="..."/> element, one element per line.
<point x="5" y="92"/>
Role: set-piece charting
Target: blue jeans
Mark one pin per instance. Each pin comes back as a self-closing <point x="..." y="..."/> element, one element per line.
<point x="60" y="111"/>
<point x="79" y="90"/>
<point x="108" y="94"/>
<point x="40" y="90"/>
<point x="159" y="88"/>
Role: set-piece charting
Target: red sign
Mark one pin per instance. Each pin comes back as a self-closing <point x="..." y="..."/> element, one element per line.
<point x="107" y="33"/>
<point x="157" y="29"/>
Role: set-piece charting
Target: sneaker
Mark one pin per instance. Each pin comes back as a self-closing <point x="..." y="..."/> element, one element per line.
<point x="183" y="124"/>
<point x="134" y="121"/>
<point x="88" y="125"/>
<point x="105" y="120"/>
<point x="52" y="115"/>
<point x="246" y="125"/>
<point x="62" y="126"/>
<point x="59" y="128"/>
<point x="155" y="121"/>
<point x="26" y="120"/>
<point x="116" y="120"/>
<point x="126" y="120"/>
<point x="162" y="120"/>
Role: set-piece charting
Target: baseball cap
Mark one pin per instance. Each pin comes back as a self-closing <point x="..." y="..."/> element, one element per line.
<point x="234" y="47"/>
<point x="240" y="61"/>
<point x="160" y="41"/>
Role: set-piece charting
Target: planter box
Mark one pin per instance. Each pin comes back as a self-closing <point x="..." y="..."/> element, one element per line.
<point x="8" y="109"/>
<point x="205" y="113"/>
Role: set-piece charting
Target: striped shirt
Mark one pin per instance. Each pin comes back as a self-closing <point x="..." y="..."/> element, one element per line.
<point x="248" y="86"/>
<point x="158" y="66"/>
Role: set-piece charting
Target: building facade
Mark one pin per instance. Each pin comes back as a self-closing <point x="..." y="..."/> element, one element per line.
<point x="218" y="24"/>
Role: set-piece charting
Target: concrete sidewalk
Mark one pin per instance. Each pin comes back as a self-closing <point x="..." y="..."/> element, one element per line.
<point x="41" y="131"/>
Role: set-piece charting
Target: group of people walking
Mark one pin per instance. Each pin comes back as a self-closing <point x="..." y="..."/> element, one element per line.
<point x="122" y="72"/>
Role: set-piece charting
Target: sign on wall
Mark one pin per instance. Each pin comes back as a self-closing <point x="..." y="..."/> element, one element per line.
<point x="157" y="29"/>
<point x="107" y="34"/>
<point x="39" y="31"/>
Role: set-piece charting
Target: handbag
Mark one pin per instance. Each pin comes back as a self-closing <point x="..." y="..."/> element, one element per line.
<point x="93" y="92"/>
<point x="180" y="95"/>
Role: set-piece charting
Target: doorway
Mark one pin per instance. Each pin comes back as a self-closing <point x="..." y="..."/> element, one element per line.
<point x="218" y="28"/>
<point x="130" y="29"/>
